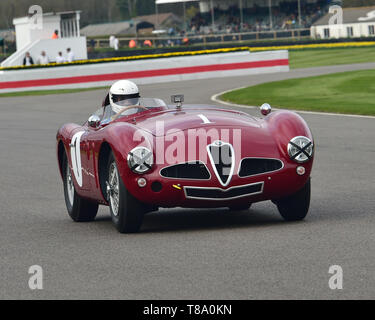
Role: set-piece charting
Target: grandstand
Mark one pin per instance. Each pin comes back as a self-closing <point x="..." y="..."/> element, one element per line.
<point x="219" y="16"/>
<point x="229" y="16"/>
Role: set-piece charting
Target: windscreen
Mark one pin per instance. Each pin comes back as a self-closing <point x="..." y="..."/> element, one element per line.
<point x="148" y="103"/>
<point x="144" y="102"/>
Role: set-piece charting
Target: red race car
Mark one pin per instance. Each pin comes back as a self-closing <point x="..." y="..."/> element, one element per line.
<point x="149" y="155"/>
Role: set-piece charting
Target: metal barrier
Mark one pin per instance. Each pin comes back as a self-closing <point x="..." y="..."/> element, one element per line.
<point x="207" y="38"/>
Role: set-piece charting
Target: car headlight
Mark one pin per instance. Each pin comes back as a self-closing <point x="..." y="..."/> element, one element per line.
<point x="300" y="149"/>
<point x="140" y="160"/>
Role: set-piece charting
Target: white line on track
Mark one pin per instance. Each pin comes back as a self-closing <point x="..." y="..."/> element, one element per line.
<point x="215" y="98"/>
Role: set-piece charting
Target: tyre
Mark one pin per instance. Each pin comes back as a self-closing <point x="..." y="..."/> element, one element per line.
<point x="79" y="209"/>
<point x="240" y="207"/>
<point x="296" y="206"/>
<point x="126" y="211"/>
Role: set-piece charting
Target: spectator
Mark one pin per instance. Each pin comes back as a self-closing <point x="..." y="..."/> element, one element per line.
<point x="132" y="44"/>
<point x="60" y="58"/>
<point x="147" y="43"/>
<point x="55" y="34"/>
<point x="112" y="41"/>
<point x="170" y="43"/>
<point x="43" y="59"/>
<point x="28" y="60"/>
<point x="115" y="43"/>
<point x="70" y="57"/>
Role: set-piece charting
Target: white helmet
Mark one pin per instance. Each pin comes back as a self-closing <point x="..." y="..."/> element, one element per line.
<point x="122" y="90"/>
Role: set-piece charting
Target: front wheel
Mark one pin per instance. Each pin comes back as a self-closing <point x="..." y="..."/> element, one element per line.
<point x="79" y="209"/>
<point x="126" y="211"/>
<point x="296" y="206"/>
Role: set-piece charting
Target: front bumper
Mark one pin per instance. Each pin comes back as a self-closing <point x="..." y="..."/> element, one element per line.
<point x="210" y="193"/>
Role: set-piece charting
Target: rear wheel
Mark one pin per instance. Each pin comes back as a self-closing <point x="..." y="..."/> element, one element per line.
<point x="79" y="209"/>
<point x="296" y="206"/>
<point x="126" y="211"/>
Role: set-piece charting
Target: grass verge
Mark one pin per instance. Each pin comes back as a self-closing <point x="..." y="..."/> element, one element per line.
<point x="326" y="57"/>
<point x="348" y="92"/>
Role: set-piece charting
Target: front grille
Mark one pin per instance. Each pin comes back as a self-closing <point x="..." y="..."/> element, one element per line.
<point x="221" y="155"/>
<point x="220" y="194"/>
<point x="253" y="166"/>
<point x="189" y="170"/>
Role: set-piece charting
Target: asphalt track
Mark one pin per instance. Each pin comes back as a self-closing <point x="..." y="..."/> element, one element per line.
<point x="183" y="253"/>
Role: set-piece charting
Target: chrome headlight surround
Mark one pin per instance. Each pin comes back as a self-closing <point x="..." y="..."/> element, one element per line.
<point x="300" y="149"/>
<point x="140" y="160"/>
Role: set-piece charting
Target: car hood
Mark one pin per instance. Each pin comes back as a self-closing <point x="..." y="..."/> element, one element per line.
<point x="171" y="121"/>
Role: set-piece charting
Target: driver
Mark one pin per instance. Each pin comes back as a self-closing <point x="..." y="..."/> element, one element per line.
<point x="122" y="90"/>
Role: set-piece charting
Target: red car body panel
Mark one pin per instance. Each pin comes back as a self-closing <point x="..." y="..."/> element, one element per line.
<point x="260" y="138"/>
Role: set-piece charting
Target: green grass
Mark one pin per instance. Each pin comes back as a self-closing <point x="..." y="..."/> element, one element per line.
<point x="347" y="92"/>
<point x="327" y="57"/>
<point x="47" y="92"/>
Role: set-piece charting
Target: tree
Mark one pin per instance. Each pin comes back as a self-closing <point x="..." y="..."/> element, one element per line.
<point x="145" y="7"/>
<point x="127" y="7"/>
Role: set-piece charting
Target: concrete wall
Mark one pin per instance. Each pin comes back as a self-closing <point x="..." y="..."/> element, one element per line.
<point x="146" y="71"/>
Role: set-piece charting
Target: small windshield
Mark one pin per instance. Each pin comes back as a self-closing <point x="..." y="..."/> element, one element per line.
<point x="148" y="103"/>
<point x="144" y="102"/>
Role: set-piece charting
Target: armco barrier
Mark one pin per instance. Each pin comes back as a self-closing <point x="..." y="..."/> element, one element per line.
<point x="145" y="71"/>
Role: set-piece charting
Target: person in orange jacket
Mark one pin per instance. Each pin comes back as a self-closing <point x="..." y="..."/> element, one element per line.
<point x="147" y="43"/>
<point x="55" y="35"/>
<point x="132" y="44"/>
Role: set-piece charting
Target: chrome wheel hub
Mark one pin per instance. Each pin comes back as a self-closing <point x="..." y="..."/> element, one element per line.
<point x="113" y="189"/>
<point x="69" y="185"/>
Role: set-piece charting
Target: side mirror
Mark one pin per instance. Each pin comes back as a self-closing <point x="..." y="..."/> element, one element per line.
<point x="94" y="121"/>
<point x="265" y="109"/>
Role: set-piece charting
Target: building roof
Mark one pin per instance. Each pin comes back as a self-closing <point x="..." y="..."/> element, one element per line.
<point x="351" y="15"/>
<point x="103" y="29"/>
<point x="161" y="18"/>
<point x="129" y="27"/>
